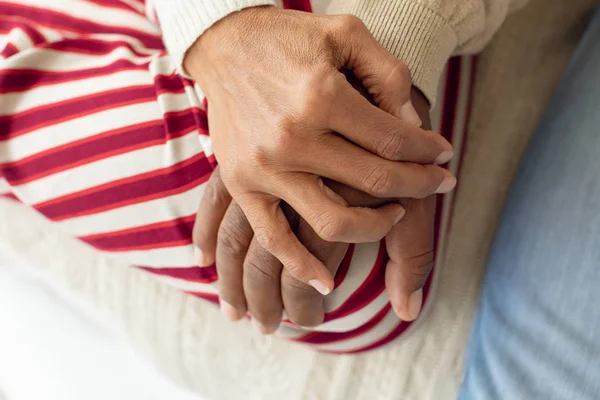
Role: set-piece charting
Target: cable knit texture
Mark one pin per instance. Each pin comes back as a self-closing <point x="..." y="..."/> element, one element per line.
<point x="188" y="338"/>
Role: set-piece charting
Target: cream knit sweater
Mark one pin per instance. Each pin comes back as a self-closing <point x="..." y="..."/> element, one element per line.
<point x="188" y="338"/>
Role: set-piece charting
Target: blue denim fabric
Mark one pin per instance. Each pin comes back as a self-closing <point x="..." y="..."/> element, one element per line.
<point x="537" y="329"/>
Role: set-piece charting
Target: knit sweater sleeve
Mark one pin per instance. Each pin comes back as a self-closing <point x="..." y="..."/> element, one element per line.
<point x="183" y="21"/>
<point x="425" y="33"/>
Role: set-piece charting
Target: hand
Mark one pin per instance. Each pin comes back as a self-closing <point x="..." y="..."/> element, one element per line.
<point x="250" y="279"/>
<point x="276" y="96"/>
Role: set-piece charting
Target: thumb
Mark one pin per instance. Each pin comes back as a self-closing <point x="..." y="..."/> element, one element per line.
<point x="410" y="246"/>
<point x="385" y="77"/>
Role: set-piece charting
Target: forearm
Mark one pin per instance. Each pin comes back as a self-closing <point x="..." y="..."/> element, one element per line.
<point x="425" y="33"/>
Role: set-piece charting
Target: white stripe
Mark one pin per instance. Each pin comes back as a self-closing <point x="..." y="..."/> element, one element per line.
<point x="381" y="330"/>
<point x="12" y="103"/>
<point x="361" y="265"/>
<point x="19" y="39"/>
<point x="176" y="257"/>
<point x="76" y="129"/>
<point x="4" y="186"/>
<point x="136" y="215"/>
<point x="357" y="318"/>
<point x="190" y="286"/>
<point x="44" y="59"/>
<point x="110" y="169"/>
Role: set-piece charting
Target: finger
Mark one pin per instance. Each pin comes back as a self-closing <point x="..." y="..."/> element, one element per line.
<point x="303" y="306"/>
<point x="381" y="133"/>
<point x="386" y="78"/>
<point x="234" y="237"/>
<point x="273" y="233"/>
<point x="410" y="246"/>
<point x="214" y="204"/>
<point x="329" y="216"/>
<point x="262" y="287"/>
<point x="343" y="162"/>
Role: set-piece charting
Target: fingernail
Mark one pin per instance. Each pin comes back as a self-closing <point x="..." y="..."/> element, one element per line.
<point x="409" y="114"/>
<point x="229" y="312"/>
<point x="320" y="286"/>
<point x="259" y="327"/>
<point x="400" y="215"/>
<point x="202" y="259"/>
<point x="444" y="157"/>
<point x="415" y="301"/>
<point x="447" y="185"/>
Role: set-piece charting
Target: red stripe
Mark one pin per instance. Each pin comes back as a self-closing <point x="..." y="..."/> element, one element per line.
<point x="151" y="236"/>
<point x="95" y="47"/>
<point x="9" y="50"/>
<point x="344" y="266"/>
<point x="18" y="124"/>
<point x="20" y="80"/>
<point x="99" y="147"/>
<point x="10" y="196"/>
<point x="213" y="298"/>
<point x="133" y="190"/>
<point x="300" y="5"/>
<point x="62" y="21"/>
<point x="196" y="274"/>
<point x="330" y="337"/>
<point x="464" y="144"/>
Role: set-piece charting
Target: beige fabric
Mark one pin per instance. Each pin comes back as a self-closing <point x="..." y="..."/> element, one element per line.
<point x="192" y="343"/>
<point x="424" y="33"/>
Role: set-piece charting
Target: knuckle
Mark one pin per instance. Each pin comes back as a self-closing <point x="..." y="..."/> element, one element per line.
<point x="299" y="292"/>
<point x="200" y="237"/>
<point x="265" y="237"/>
<point x="215" y="190"/>
<point x="351" y="23"/>
<point x="391" y="147"/>
<point x="378" y="181"/>
<point x="259" y="272"/>
<point x="328" y="227"/>
<point x="230" y="241"/>
<point x="400" y="74"/>
<point x="318" y="94"/>
<point x="284" y="138"/>
<point x="419" y="266"/>
<point x="257" y="158"/>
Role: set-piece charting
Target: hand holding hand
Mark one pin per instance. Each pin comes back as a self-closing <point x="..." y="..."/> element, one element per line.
<point x="282" y="116"/>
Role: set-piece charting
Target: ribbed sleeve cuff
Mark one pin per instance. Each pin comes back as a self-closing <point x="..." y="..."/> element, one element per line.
<point x="183" y="21"/>
<point x="418" y="36"/>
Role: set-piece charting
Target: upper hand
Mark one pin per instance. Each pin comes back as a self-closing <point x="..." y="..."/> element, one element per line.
<point x="252" y="280"/>
<point x="276" y="97"/>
